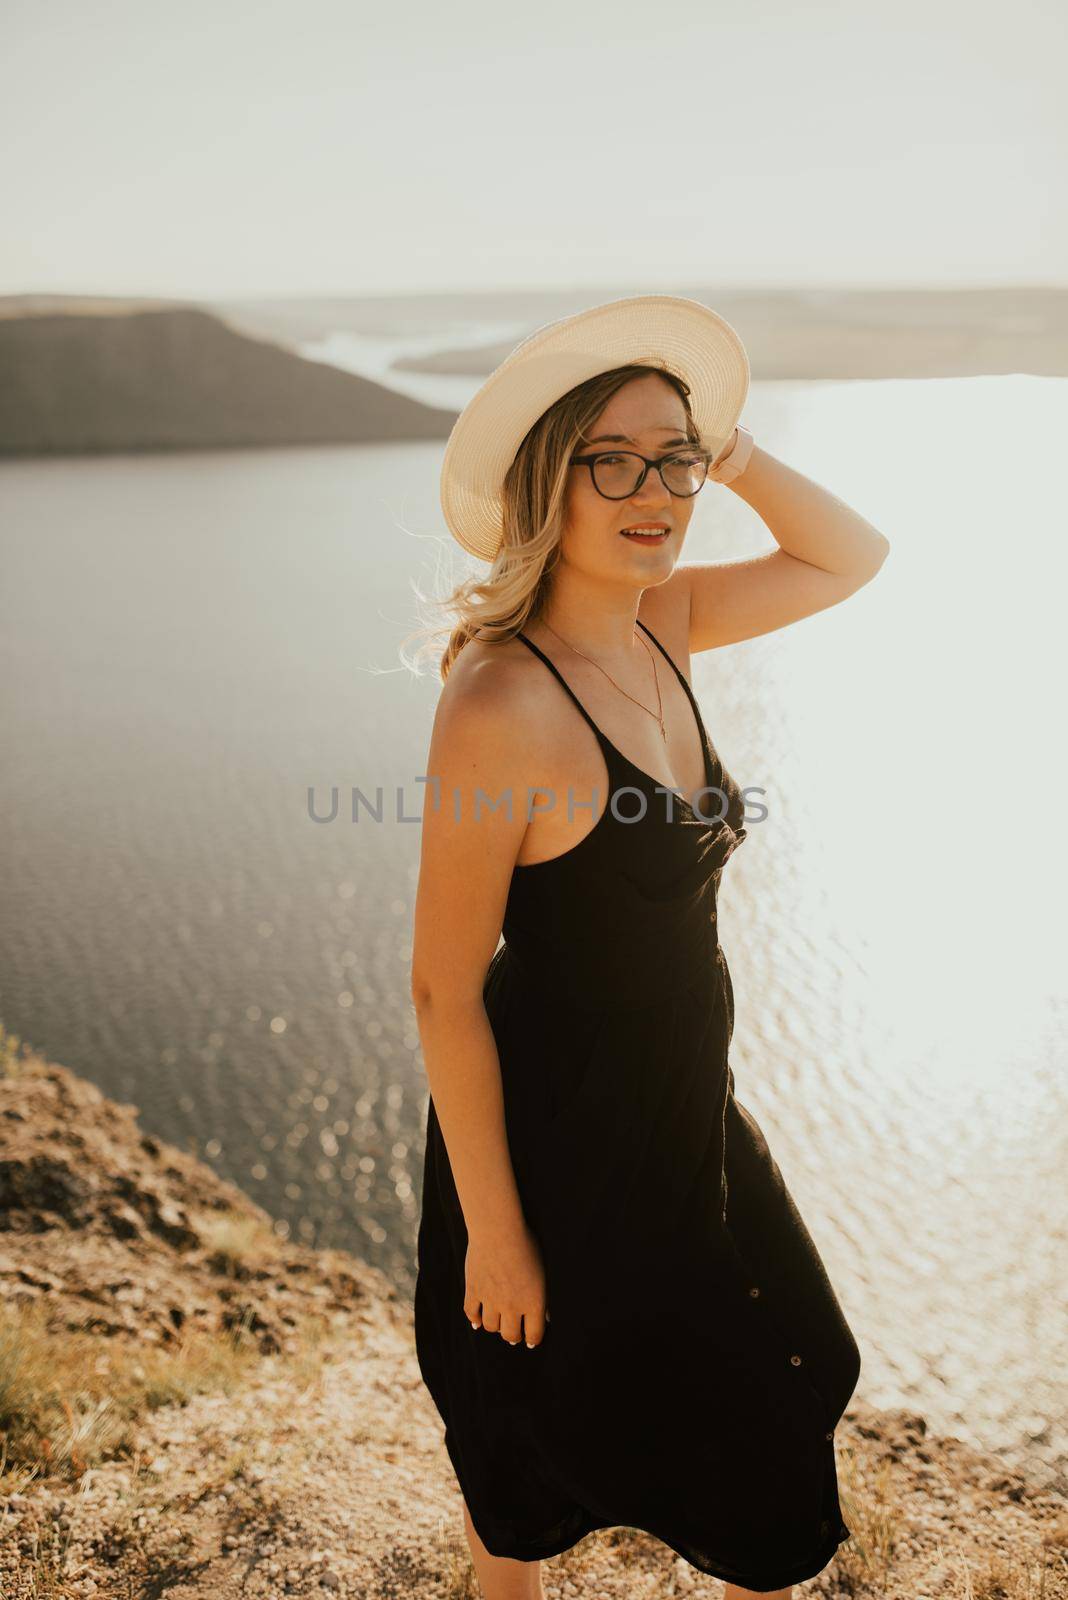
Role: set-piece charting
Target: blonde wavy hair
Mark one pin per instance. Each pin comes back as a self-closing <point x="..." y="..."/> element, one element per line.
<point x="494" y="607"/>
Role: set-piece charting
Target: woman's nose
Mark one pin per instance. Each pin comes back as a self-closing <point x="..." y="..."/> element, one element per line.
<point x="654" y="491"/>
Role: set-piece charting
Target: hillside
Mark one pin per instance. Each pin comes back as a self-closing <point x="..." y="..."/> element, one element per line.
<point x="112" y="377"/>
<point x="192" y="1406"/>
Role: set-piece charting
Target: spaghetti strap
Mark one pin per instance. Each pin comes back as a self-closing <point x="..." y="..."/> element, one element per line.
<point x="667" y="657"/>
<point x="558" y="675"/>
<point x="612" y="753"/>
<point x="706" y="741"/>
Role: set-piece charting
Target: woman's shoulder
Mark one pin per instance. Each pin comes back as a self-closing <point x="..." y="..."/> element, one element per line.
<point x="485" y="661"/>
<point x="492" y="724"/>
<point x="492" y="682"/>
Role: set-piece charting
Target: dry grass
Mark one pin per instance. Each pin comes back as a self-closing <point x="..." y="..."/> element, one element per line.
<point x="11" y="1051"/>
<point x="874" y="1514"/>
<point x="240" y="1246"/>
<point x="866" y="1563"/>
<point x="993" y="1577"/>
<point x="69" y="1400"/>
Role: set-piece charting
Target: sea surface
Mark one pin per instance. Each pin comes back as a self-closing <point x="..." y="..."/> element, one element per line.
<point x="191" y="643"/>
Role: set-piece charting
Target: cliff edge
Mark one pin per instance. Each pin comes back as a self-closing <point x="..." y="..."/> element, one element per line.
<point x="191" y="1405"/>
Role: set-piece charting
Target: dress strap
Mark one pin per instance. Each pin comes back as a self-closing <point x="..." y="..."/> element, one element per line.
<point x="691" y="697"/>
<point x="678" y="670"/>
<point x="558" y="675"/>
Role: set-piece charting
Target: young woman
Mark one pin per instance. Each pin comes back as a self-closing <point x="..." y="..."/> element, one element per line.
<point x="619" y="1314"/>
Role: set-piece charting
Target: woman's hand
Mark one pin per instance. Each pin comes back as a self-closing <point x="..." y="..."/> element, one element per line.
<point x="505" y="1289"/>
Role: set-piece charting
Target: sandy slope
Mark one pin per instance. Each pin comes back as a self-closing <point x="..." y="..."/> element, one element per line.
<point x="327" y="1475"/>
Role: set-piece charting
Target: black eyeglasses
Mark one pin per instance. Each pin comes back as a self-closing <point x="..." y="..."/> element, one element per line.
<point x="617" y="474"/>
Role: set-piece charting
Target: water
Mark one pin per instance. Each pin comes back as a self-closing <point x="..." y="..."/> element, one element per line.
<point x="191" y="641"/>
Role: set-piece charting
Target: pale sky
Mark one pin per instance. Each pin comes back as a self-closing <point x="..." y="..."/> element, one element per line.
<point x="227" y="149"/>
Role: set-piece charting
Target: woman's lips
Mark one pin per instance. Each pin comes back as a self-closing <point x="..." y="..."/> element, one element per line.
<point x="650" y="536"/>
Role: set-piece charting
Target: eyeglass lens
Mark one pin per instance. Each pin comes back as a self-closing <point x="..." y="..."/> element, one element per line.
<point x="617" y="475"/>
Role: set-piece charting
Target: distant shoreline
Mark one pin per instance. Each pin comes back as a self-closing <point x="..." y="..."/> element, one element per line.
<point x="87" y="375"/>
<point x="788" y="333"/>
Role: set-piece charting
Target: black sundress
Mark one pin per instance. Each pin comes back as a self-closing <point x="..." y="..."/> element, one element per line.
<point x="696" y="1360"/>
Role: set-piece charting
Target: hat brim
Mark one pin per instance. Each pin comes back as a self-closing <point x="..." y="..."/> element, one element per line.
<point x="690" y="338"/>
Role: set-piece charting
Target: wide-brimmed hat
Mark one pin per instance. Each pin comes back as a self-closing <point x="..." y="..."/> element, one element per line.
<point x="689" y="338"/>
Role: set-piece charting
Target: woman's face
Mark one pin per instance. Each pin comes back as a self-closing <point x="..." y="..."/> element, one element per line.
<point x="650" y="417"/>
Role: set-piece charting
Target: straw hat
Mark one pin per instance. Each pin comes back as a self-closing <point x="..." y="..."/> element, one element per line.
<point x="691" y="339"/>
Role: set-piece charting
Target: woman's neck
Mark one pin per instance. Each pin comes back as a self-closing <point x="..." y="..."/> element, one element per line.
<point x="604" y="630"/>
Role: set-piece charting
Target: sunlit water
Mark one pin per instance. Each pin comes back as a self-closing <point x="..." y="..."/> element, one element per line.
<point x="190" y="641"/>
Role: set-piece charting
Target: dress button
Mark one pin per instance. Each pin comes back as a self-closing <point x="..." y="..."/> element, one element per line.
<point x="829" y="1435"/>
<point x="754" y="1292"/>
<point x="795" y="1361"/>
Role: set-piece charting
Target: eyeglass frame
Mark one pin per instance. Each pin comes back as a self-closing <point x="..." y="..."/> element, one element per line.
<point x="659" y="462"/>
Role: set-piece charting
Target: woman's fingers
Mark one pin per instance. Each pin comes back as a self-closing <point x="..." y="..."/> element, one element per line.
<point x="473" y="1311"/>
<point x="511" y="1327"/>
<point x="533" y="1329"/>
<point x="514" y="1327"/>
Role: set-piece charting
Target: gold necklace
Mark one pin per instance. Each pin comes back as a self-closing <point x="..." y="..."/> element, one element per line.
<point x="658" y="713"/>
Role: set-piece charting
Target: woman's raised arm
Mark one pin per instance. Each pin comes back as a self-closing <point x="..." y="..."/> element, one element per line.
<point x="827" y="551"/>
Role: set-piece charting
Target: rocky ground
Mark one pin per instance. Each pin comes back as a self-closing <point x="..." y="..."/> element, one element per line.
<point x="190" y="1406"/>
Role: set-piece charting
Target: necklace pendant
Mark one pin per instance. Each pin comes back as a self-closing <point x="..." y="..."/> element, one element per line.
<point x="663" y="733"/>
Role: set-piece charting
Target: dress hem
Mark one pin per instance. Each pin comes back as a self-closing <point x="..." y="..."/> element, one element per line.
<point x="799" y="1572"/>
<point x="763" y="1584"/>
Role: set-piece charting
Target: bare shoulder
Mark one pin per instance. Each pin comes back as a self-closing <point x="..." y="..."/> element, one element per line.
<point x="665" y="611"/>
<point x="492" y="707"/>
<point x="490" y="679"/>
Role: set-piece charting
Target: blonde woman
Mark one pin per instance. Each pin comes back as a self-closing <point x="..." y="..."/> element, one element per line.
<point x="619" y="1314"/>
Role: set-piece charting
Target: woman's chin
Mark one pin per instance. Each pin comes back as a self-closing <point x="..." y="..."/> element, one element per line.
<point x="649" y="558"/>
